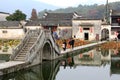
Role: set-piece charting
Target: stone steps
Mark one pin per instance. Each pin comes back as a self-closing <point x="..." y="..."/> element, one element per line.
<point x="22" y="54"/>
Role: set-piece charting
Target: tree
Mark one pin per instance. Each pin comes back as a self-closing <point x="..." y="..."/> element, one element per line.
<point x="33" y="15"/>
<point x="17" y="16"/>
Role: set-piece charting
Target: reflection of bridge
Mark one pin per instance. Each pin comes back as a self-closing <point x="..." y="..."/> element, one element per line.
<point x="46" y="71"/>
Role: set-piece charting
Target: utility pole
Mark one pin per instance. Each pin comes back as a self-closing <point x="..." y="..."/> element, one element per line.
<point x="107" y="12"/>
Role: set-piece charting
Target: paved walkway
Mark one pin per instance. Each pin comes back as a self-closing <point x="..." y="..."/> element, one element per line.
<point x="81" y="47"/>
<point x="9" y="64"/>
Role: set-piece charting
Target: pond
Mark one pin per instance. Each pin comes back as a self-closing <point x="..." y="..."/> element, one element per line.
<point x="95" y="64"/>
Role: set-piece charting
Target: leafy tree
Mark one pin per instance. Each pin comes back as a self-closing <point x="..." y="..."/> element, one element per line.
<point x="17" y="16"/>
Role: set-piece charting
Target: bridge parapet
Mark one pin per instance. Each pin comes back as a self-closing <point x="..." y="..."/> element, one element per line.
<point x="16" y="50"/>
<point x="35" y="48"/>
<point x="27" y="36"/>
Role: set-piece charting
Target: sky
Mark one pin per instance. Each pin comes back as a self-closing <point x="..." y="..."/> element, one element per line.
<point x="26" y="6"/>
<point x="74" y="3"/>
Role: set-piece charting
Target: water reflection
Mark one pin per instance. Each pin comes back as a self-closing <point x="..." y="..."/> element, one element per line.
<point x="95" y="64"/>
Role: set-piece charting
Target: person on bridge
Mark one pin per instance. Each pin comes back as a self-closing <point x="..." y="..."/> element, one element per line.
<point x="71" y="43"/>
<point x="64" y="45"/>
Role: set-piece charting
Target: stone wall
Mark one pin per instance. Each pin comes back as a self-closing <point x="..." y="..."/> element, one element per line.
<point x="11" y="33"/>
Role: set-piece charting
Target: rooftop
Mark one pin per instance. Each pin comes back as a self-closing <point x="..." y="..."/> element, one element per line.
<point x="9" y="23"/>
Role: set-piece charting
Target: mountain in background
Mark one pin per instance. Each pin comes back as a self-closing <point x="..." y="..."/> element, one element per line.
<point x="26" y="6"/>
<point x="90" y="11"/>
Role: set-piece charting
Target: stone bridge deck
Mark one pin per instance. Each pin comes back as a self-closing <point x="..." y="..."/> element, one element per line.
<point x="81" y="47"/>
<point x="11" y="66"/>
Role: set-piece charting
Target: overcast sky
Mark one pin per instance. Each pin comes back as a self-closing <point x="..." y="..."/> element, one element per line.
<point x="26" y="6"/>
<point x="74" y="3"/>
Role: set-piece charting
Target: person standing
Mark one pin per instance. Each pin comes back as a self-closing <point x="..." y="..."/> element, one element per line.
<point x="71" y="43"/>
<point x="64" y="45"/>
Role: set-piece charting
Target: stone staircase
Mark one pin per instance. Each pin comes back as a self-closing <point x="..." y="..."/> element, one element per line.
<point x="23" y="52"/>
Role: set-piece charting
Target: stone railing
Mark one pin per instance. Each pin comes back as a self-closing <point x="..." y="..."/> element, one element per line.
<point x="49" y="35"/>
<point x="35" y="48"/>
<point x="55" y="46"/>
<point x="28" y="35"/>
<point x="17" y="49"/>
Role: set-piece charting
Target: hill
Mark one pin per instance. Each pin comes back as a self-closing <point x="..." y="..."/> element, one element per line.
<point x="89" y="11"/>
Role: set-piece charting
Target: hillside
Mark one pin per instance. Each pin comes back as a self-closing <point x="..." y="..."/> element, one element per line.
<point x="90" y="11"/>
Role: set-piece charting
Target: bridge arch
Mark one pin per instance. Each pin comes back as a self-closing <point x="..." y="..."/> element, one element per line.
<point x="105" y="34"/>
<point x="47" y="50"/>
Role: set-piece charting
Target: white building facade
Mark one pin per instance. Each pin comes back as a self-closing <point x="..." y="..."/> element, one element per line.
<point x="3" y="16"/>
<point x="87" y="29"/>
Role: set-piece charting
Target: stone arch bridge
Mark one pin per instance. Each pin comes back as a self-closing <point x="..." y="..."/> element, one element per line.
<point x="37" y="45"/>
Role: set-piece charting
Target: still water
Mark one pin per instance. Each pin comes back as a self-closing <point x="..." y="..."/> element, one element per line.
<point x="95" y="64"/>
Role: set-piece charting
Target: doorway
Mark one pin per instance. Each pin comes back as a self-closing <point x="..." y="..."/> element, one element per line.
<point x="86" y="36"/>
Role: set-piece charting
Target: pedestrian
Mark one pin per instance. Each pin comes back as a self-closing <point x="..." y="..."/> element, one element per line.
<point x="64" y="45"/>
<point x="71" y="43"/>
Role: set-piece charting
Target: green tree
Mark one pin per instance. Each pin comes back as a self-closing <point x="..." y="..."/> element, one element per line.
<point x="17" y="16"/>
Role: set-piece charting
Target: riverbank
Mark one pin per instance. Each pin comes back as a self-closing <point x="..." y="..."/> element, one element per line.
<point x="111" y="45"/>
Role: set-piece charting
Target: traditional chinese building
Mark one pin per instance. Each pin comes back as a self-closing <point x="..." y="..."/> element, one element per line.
<point x="58" y="23"/>
<point x="115" y="23"/>
<point x="3" y="16"/>
<point x="87" y="29"/>
<point x="11" y="30"/>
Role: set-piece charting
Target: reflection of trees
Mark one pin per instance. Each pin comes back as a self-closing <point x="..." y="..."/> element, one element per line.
<point x="105" y="53"/>
<point x="46" y="71"/>
<point x="115" y="67"/>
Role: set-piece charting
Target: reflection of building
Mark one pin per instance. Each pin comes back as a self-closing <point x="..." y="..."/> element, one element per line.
<point x="88" y="58"/>
<point x="93" y="57"/>
<point x="115" y="54"/>
<point x="115" y="67"/>
<point x="115" y="22"/>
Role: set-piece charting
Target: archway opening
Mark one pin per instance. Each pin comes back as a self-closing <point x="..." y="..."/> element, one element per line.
<point x="105" y="34"/>
<point x="46" y="52"/>
<point x="118" y="36"/>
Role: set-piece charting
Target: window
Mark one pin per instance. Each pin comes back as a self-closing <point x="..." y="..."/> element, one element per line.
<point x="4" y="31"/>
<point x="86" y="28"/>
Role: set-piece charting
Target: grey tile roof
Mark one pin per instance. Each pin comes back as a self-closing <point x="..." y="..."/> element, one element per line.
<point x="4" y="13"/>
<point x="86" y="24"/>
<point x="33" y="23"/>
<point x="49" y="23"/>
<point x="58" y="16"/>
<point x="115" y="13"/>
<point x="53" y="19"/>
<point x="115" y="28"/>
<point x="85" y="18"/>
<point x="9" y="23"/>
